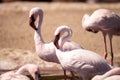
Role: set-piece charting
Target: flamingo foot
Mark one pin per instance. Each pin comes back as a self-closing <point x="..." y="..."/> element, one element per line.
<point x="111" y="58"/>
<point x="105" y="55"/>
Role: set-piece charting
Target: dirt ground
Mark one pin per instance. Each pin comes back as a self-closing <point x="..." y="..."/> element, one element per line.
<point x="16" y="36"/>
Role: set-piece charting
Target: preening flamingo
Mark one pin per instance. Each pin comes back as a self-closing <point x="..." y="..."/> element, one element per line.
<point x="84" y="62"/>
<point x="46" y="51"/>
<point x="64" y="41"/>
<point x="113" y="74"/>
<point x="33" y="70"/>
<point x="105" y="21"/>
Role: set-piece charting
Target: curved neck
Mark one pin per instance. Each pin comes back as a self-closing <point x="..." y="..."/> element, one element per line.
<point x="26" y="68"/>
<point x="62" y="40"/>
<point x="38" y="38"/>
<point x="21" y="70"/>
<point x="114" y="71"/>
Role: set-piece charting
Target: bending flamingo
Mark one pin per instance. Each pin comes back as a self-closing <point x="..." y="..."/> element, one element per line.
<point x="18" y="75"/>
<point x="113" y="74"/>
<point x="105" y="21"/>
<point x="46" y="51"/>
<point x="84" y="62"/>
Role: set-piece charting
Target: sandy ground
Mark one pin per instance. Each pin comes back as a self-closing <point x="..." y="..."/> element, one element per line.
<point x="16" y="37"/>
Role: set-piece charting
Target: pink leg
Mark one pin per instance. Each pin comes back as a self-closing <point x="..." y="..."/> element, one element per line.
<point x="65" y="77"/>
<point x="105" y="53"/>
<point x="111" y="53"/>
<point x="73" y="76"/>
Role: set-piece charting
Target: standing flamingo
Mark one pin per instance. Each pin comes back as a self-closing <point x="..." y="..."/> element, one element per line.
<point x="17" y="75"/>
<point x="46" y="51"/>
<point x="105" y="21"/>
<point x="113" y="74"/>
<point x="84" y="62"/>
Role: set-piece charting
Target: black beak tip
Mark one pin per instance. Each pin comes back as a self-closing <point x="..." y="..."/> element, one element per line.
<point x="57" y="37"/>
<point x="32" y="22"/>
<point x="38" y="76"/>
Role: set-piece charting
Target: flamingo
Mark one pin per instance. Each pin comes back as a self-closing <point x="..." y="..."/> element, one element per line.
<point x="105" y="21"/>
<point x="64" y="42"/>
<point x="18" y="75"/>
<point x="113" y="74"/>
<point x="46" y="51"/>
<point x="84" y="62"/>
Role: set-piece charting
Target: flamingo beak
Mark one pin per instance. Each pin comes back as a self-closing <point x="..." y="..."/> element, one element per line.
<point x="32" y="22"/>
<point x="57" y="37"/>
<point x="37" y="76"/>
<point x="90" y="30"/>
<point x="95" y="31"/>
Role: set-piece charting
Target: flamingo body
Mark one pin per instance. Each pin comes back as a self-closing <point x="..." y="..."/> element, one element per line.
<point x="102" y="20"/>
<point x="84" y="62"/>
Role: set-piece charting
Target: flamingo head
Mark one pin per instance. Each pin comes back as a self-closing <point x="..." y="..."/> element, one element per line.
<point x="33" y="14"/>
<point x="59" y="39"/>
<point x="88" y="25"/>
<point x="35" y="72"/>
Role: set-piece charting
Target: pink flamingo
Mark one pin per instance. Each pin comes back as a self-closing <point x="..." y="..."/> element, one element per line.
<point x="113" y="74"/>
<point x="46" y="51"/>
<point x="17" y="75"/>
<point x="64" y="42"/>
<point x="84" y="62"/>
<point x="105" y="21"/>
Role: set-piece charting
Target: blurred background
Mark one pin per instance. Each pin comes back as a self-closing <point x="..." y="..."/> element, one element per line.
<point x="16" y="36"/>
<point x="90" y="1"/>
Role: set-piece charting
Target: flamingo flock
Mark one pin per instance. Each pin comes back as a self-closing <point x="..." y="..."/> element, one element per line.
<point x="71" y="56"/>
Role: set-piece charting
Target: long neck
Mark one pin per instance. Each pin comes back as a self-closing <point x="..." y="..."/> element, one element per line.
<point x="21" y="70"/>
<point x="37" y="37"/>
<point x="114" y="71"/>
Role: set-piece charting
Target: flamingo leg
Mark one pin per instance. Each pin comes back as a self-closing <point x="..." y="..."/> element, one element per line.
<point x="111" y="53"/>
<point x="65" y="77"/>
<point x="105" y="53"/>
<point x="73" y="76"/>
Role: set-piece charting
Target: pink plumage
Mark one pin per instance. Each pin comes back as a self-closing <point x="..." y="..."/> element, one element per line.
<point x="33" y="70"/>
<point x="113" y="74"/>
<point x="103" y="20"/>
<point x="46" y="51"/>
